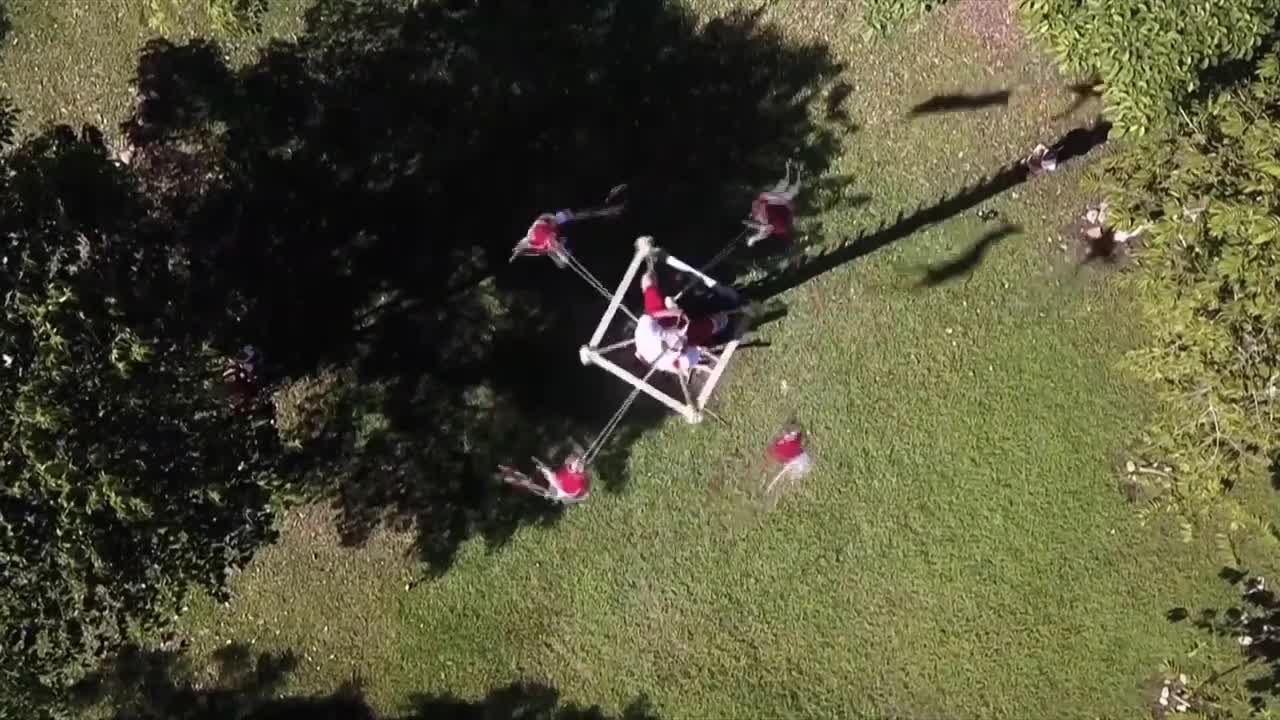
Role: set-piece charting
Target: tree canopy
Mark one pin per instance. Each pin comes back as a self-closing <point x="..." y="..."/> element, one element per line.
<point x="127" y="474"/>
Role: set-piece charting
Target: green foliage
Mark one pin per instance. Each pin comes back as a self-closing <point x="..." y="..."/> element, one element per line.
<point x="229" y="18"/>
<point x="1210" y="286"/>
<point x="884" y="16"/>
<point x="160" y="15"/>
<point x="1152" y="55"/>
<point x="236" y="17"/>
<point x="306" y="407"/>
<point x="124" y="475"/>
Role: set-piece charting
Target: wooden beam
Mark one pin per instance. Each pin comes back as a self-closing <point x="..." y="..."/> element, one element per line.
<point x="705" y="394"/>
<point x="643" y="246"/>
<point x="617" y="346"/>
<point x="686" y="411"/>
<point x="706" y="279"/>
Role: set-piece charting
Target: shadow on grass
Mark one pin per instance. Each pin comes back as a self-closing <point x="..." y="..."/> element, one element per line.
<point x="350" y="199"/>
<point x="1254" y="625"/>
<point x="968" y="261"/>
<point x="959" y="102"/>
<point x="1074" y="144"/>
<point x="160" y="685"/>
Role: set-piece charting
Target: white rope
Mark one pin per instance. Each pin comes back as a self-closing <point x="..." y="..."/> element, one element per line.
<point x="591" y="280"/>
<point x="583" y="273"/>
<point x="598" y="444"/>
<point x="715" y="260"/>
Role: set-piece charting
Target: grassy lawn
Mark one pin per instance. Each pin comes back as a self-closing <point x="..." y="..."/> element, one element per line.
<point x="72" y="61"/>
<point x="960" y="551"/>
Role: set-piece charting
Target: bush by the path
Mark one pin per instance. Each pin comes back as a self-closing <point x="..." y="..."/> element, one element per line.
<point x="1210" y="284"/>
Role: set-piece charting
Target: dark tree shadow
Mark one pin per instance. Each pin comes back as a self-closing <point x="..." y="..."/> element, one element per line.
<point x="1072" y="145"/>
<point x="161" y="685"/>
<point x="959" y="102"/>
<point x="521" y="700"/>
<point x="351" y="199"/>
<point x="1254" y="625"/>
<point x="966" y="262"/>
<point x="835" y="110"/>
<point x="141" y="684"/>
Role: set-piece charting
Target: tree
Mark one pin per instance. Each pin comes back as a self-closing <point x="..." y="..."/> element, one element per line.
<point x="125" y="475"/>
<point x="1150" y="55"/>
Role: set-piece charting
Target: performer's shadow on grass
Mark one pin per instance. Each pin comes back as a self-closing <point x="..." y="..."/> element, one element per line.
<point x="349" y="201"/>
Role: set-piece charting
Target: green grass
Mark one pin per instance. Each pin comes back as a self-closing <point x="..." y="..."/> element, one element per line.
<point x="72" y="61"/>
<point x="960" y="551"/>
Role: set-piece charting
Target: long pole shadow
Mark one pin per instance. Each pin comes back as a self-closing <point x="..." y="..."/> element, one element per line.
<point x="1074" y="144"/>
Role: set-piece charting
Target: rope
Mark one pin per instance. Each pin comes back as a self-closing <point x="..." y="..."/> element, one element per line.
<point x="598" y="444"/>
<point x="585" y="274"/>
<point x="715" y="260"/>
<point x="591" y="280"/>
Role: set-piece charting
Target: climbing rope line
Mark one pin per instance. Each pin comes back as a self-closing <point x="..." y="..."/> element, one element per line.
<point x="598" y="444"/>
<point x="591" y="280"/>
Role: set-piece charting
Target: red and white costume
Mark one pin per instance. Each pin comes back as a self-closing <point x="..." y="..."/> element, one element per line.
<point x="771" y="216"/>
<point x="569" y="482"/>
<point x="773" y="212"/>
<point x="566" y="484"/>
<point x="544" y="237"/>
<point x="668" y="339"/>
<point x="788" y="451"/>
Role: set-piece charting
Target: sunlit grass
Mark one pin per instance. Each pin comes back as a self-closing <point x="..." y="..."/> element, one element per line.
<point x="72" y="61"/>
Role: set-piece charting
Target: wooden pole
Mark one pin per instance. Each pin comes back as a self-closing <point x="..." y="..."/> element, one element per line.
<point x="643" y="246"/>
<point x="721" y="365"/>
<point x="592" y="357"/>
<point x="706" y="279"/>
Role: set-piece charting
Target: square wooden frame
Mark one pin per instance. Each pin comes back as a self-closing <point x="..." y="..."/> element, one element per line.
<point x="592" y="354"/>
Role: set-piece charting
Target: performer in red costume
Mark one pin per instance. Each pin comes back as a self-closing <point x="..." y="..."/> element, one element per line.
<point x="773" y="212"/>
<point x="566" y="484"/>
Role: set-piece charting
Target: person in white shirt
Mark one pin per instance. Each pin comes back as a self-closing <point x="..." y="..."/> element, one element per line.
<point x="666" y="337"/>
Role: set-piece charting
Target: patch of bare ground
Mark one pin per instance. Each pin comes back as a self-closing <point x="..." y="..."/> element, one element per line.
<point x="992" y="22"/>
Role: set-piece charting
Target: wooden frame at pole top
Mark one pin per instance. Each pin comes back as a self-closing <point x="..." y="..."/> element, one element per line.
<point x="593" y="354"/>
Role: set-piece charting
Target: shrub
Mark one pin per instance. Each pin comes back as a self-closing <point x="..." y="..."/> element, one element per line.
<point x="1151" y="55"/>
<point x="1209" y="284"/>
